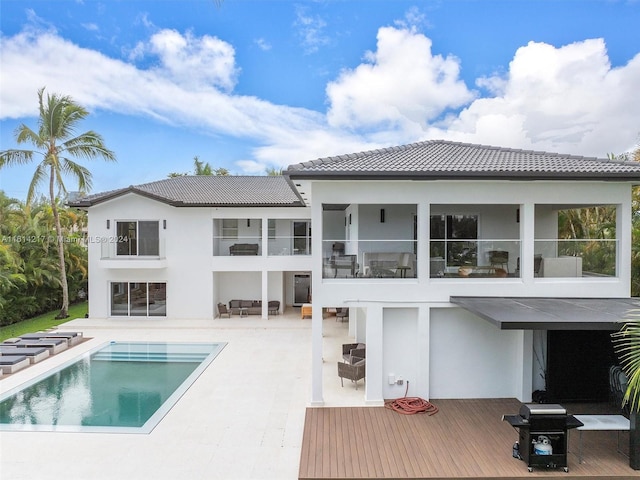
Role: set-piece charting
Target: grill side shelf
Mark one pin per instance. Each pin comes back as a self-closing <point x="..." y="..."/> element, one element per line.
<point x="516" y="421"/>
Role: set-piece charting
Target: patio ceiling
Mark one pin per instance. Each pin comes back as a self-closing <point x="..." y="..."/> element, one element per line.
<point x="546" y="313"/>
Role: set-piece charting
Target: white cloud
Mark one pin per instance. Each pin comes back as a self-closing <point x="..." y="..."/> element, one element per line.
<point x="399" y="86"/>
<point x="161" y="92"/>
<point x="187" y="58"/>
<point x="263" y="44"/>
<point x="413" y="20"/>
<point x="311" y="30"/>
<point x="565" y="99"/>
<point x="92" y="27"/>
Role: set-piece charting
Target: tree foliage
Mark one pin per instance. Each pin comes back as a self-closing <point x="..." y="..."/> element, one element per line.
<point x="57" y="145"/>
<point x="29" y="283"/>
<point x="202" y="168"/>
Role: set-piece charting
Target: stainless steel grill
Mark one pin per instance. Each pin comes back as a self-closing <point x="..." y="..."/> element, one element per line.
<point x="543" y="434"/>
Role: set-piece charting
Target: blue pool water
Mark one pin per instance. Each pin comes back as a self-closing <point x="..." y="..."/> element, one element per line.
<point x="122" y="387"/>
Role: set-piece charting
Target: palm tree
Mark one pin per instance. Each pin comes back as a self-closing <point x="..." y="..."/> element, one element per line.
<point x="627" y="343"/>
<point x="55" y="142"/>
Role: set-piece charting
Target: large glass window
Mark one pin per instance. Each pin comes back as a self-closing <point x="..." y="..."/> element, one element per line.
<point x="454" y="238"/>
<point x="138" y="238"/>
<point x="302" y="238"/>
<point x="139" y="299"/>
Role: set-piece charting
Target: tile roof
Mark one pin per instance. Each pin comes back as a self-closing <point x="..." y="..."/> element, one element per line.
<point x="439" y="159"/>
<point x="209" y="190"/>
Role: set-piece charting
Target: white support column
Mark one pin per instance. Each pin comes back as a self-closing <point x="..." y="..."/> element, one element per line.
<point x="316" y="355"/>
<point x="265" y="295"/>
<point x="317" y="399"/>
<point x="424" y="336"/>
<point x="524" y="360"/>
<point x="623" y="250"/>
<point x="527" y="241"/>
<point x="423" y="264"/>
<point x="373" y="388"/>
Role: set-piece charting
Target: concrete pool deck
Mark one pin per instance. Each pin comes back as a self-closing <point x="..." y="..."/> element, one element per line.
<point x="242" y="419"/>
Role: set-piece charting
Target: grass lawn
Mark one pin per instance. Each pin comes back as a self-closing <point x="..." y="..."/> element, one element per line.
<point x="42" y="322"/>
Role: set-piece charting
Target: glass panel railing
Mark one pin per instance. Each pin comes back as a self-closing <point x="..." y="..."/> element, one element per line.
<point x="577" y="258"/>
<point x="110" y="249"/>
<point x="486" y="258"/>
<point x="238" y="246"/>
<point x="369" y="258"/>
<point x="289" y="245"/>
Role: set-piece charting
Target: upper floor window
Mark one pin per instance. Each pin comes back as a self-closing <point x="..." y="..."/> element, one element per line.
<point x="453" y="237"/>
<point x="229" y="228"/>
<point x="138" y="238"/>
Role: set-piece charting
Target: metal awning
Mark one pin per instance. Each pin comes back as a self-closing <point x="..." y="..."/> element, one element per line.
<point x="522" y="313"/>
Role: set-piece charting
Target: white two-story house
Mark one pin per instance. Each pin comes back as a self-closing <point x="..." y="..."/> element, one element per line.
<point x="177" y="247"/>
<point x="448" y="258"/>
<point x="446" y="254"/>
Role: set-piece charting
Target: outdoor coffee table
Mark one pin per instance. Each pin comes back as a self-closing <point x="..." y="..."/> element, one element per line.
<point x="244" y="312"/>
<point x="617" y="423"/>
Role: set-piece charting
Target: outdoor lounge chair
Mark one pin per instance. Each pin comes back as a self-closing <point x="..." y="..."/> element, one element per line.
<point x="54" y="345"/>
<point x="72" y="338"/>
<point x="351" y="372"/>
<point x="12" y="363"/>
<point x="223" y="310"/>
<point x="34" y="354"/>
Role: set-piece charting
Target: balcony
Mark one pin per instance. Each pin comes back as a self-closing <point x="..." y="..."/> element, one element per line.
<point x="289" y="245"/>
<point x="485" y="258"/>
<point x="562" y="258"/>
<point x="113" y="255"/>
<point x="369" y="259"/>
<point x="237" y="246"/>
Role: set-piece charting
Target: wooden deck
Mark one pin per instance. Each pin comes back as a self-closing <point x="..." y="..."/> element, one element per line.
<point x="465" y="439"/>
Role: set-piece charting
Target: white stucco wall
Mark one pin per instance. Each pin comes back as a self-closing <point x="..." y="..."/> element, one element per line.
<point x="196" y="279"/>
<point x="401" y="357"/>
<point x="469" y="358"/>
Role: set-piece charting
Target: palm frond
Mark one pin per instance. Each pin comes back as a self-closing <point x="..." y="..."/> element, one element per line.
<point x="24" y="134"/>
<point x="38" y="176"/>
<point x="78" y="172"/>
<point x="88" y="145"/>
<point x="627" y="346"/>
<point x="15" y="157"/>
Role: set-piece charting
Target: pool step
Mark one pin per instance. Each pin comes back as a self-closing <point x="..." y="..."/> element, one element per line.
<point x="149" y="357"/>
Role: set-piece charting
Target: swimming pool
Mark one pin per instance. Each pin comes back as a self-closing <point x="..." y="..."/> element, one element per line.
<point x="120" y="387"/>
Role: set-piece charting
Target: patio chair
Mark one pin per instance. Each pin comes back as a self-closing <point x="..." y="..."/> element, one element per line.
<point x="342" y="314"/>
<point x="351" y="350"/>
<point x="353" y="372"/>
<point x="223" y="310"/>
<point x="274" y="307"/>
<point x="499" y="258"/>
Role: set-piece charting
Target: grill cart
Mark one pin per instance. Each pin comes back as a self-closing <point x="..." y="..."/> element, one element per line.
<point x="543" y="434"/>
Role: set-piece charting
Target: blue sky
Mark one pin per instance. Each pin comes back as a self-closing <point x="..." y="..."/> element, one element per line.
<point x="250" y="85"/>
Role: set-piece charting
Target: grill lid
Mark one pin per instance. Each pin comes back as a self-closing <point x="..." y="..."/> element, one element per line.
<point x="529" y="410"/>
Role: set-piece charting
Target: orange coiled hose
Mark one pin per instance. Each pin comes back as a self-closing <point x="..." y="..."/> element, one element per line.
<point x="411" y="405"/>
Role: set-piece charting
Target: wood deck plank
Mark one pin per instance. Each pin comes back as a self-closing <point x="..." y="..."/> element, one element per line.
<point x="466" y="439"/>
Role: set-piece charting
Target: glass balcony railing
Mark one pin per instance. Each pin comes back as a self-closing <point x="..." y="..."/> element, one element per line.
<point x="577" y="258"/>
<point x="237" y="246"/>
<point x="486" y="258"/>
<point x="140" y="249"/>
<point x="289" y="245"/>
<point x="369" y="258"/>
